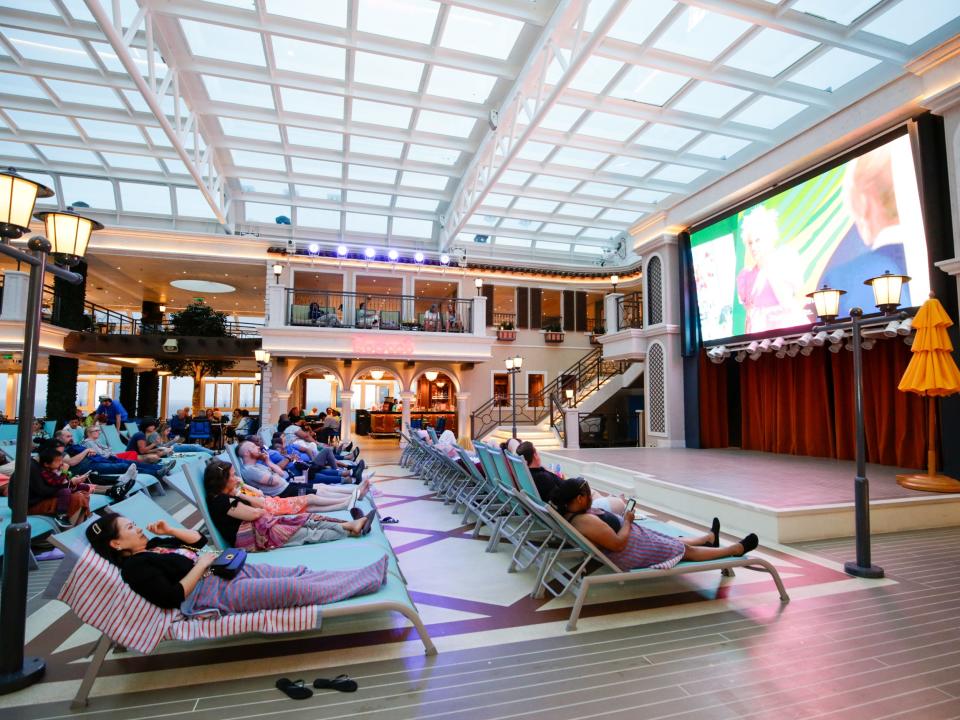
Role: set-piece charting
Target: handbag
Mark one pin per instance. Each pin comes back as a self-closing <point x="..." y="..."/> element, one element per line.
<point x="229" y="563"/>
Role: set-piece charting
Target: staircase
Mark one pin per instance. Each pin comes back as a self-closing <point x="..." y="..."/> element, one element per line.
<point x="540" y="417"/>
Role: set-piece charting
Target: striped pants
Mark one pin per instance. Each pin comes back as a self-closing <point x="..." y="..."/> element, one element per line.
<point x="269" y="587"/>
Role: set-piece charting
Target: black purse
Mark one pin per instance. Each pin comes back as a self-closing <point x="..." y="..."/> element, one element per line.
<point x="229" y="563"/>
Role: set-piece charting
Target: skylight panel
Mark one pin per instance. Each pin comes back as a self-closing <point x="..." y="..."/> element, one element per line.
<point x="596" y="74"/>
<point x="514" y="177"/>
<point x="701" y="34"/>
<point x="233" y="127"/>
<point x="411" y="20"/>
<point x="653" y="87"/>
<point x="82" y="93"/>
<point x="460" y="84"/>
<point x="263" y="187"/>
<point x="480" y="33"/>
<point x="318" y="218"/>
<point x="37" y="6"/>
<point x="719" y="146"/>
<point x="21" y="85"/>
<point x="158" y="138"/>
<point x="264" y="212"/>
<point x="678" y="173"/>
<point x="711" y="99"/>
<point x="839" y="12"/>
<point x="191" y="203"/>
<point x="669" y="137"/>
<point x="608" y="126"/>
<point x="131" y="162"/>
<point x="536" y="151"/>
<point x="221" y="42"/>
<point x="638" y="20"/>
<point x="120" y="132"/>
<point x="310" y="166"/>
<point x="768" y="112"/>
<point x="593" y="233"/>
<point x="376" y="113"/>
<point x="264" y="161"/>
<point x="364" y="223"/>
<point x="522" y="224"/>
<point x="412" y="227"/>
<point x="391" y="72"/>
<point x="41" y="122"/>
<point x="588" y="249"/>
<point x="561" y="117"/>
<point x="559" y="229"/>
<point x="307" y="57"/>
<point x="98" y="194"/>
<point x="644" y="195"/>
<point x="495" y="200"/>
<point x="621" y="216"/>
<point x="319" y="193"/>
<point x="770" y="52"/>
<point x="144" y="198"/>
<point x="109" y="58"/>
<point x="365" y="173"/>
<point x="314" y="138"/>
<point x="412" y="203"/>
<point x="552" y="182"/>
<point x="630" y="166"/>
<point x="69" y="155"/>
<point x="576" y="210"/>
<point x="535" y="205"/>
<point x="311" y="103"/>
<point x="16" y="149"/>
<point x="601" y="189"/>
<point x="909" y="22"/>
<point x="833" y="69"/>
<point x="368" y="198"/>
<point x="445" y="124"/>
<point x="374" y="146"/>
<point x="424" y="180"/>
<point x="578" y="158"/>
<point x="237" y="92"/>
<point x="175" y="166"/>
<point x="508" y="241"/>
<point x="490" y="220"/>
<point x="328" y="12"/>
<point x="48" y="48"/>
<point x="553" y="246"/>
<point x="430" y="154"/>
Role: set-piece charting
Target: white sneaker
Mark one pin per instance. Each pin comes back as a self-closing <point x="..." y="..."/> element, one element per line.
<point x="130" y="474"/>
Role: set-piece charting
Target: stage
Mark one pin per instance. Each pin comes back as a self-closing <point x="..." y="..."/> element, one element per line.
<point x="785" y="498"/>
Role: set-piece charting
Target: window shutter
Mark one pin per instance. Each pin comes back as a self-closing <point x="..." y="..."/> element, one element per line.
<point x="523" y="307"/>
<point x="569" y="314"/>
<point x="535" y="309"/>
<point x="488" y="294"/>
<point x="581" y="302"/>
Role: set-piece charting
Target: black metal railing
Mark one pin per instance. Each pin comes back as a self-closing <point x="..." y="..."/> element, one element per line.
<point x="379" y="312"/>
<point x="557" y="418"/>
<point x="630" y="311"/>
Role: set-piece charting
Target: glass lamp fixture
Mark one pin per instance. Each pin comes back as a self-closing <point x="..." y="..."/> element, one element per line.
<point x="277" y="271"/>
<point x="827" y="302"/>
<point x="68" y="233"/>
<point x="518" y="362"/>
<point x="441" y="383"/>
<point x="18" y="196"/>
<point x="508" y="363"/>
<point x="478" y="284"/>
<point x="569" y="395"/>
<point x="887" y="289"/>
<point x="431" y="375"/>
<point x="376" y="374"/>
<point x="261" y="356"/>
<point x="614" y="279"/>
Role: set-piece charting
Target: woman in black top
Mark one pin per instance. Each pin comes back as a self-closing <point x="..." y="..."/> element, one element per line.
<point x="172" y="571"/>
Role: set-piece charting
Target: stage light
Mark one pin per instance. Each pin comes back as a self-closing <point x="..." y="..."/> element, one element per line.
<point x="370" y="253"/>
<point x="805" y="339"/>
<point x="777" y="344"/>
<point x="418" y="257"/>
<point x="376" y="374"/>
<point x="793" y="350"/>
<point x="868" y="343"/>
<point x="906" y="327"/>
<point x="444" y="259"/>
<point x="887" y="289"/>
<point x="827" y="302"/>
<point x="718" y="354"/>
<point x="765" y="345"/>
<point x="341" y="250"/>
<point x="755" y="355"/>
<point x="891" y="329"/>
<point x="807" y="351"/>
<point x="393" y="255"/>
<point x="836" y="337"/>
<point x="740" y="356"/>
<point x="782" y="353"/>
<point x="835" y="347"/>
<point x="820" y="338"/>
<point x="752" y="347"/>
<point x="314" y="249"/>
<point x="908" y="340"/>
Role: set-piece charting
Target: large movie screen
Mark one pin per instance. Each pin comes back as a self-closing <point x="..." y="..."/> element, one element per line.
<point x="754" y="268"/>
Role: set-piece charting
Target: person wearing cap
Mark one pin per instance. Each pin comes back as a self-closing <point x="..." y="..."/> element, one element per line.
<point x="113" y="410"/>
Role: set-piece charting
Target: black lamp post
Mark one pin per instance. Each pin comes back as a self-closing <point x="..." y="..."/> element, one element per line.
<point x="513" y="365"/>
<point x="67" y="238"/>
<point x="886" y="292"/>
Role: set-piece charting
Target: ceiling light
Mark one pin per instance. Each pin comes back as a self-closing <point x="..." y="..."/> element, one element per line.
<point x="314" y="249"/>
<point x="341" y="250"/>
<point x="431" y="375"/>
<point x="370" y="253"/>
<point x="444" y="259"/>
<point x="393" y="255"/>
<point x="418" y="257"/>
<point x="376" y="374"/>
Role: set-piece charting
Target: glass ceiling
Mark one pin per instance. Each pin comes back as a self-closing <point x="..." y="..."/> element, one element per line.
<point x="357" y="119"/>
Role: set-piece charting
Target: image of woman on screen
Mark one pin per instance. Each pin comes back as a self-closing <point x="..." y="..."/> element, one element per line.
<point x="770" y="284"/>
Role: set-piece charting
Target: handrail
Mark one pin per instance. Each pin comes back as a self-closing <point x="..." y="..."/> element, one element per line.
<point x="630" y="311"/>
<point x="378" y="311"/>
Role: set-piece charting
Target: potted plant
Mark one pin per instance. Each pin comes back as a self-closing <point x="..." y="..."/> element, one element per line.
<point x="506" y="331"/>
<point x="553" y="333"/>
<point x="598" y="330"/>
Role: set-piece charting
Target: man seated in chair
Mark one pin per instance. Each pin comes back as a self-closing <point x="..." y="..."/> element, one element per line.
<point x="431" y="319"/>
<point x="101" y="453"/>
<point x="367" y="318"/>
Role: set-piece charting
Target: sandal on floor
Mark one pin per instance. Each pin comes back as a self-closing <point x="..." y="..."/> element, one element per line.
<point x="389" y="520"/>
<point x="294" y="690"/>
<point x="343" y="683"/>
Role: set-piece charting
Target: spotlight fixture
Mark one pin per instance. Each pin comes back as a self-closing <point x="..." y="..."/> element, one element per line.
<point x="908" y="340"/>
<point x="793" y="350"/>
<point x="805" y="339"/>
<point x="777" y="344"/>
<point x="718" y="354"/>
<point x="755" y="355"/>
<point x="891" y="329"/>
<point x="820" y="338"/>
<point x="370" y="253"/>
<point x="314" y="249"/>
<point x="835" y="347"/>
<point x="752" y="347"/>
<point x="906" y="327"/>
<point x="393" y="255"/>
<point x="740" y="356"/>
<point x="444" y="259"/>
<point x="836" y="337"/>
<point x="765" y="345"/>
<point x="418" y="257"/>
<point x="782" y="353"/>
<point x="868" y="343"/>
<point x="341" y="250"/>
<point x="807" y="351"/>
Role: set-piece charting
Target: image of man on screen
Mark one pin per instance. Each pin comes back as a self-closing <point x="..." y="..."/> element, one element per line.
<point x="770" y="284"/>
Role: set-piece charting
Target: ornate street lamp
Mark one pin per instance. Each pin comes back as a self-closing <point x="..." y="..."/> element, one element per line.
<point x="513" y="365"/>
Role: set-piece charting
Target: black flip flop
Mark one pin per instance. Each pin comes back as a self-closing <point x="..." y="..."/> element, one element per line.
<point x="369" y="526"/>
<point x="356" y="513"/>
<point x="715" y="529"/>
<point x="294" y="690"/>
<point x="389" y="520"/>
<point x="343" y="683"/>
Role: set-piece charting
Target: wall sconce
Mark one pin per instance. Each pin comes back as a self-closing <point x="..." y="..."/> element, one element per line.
<point x="478" y="284"/>
<point x="277" y="271"/>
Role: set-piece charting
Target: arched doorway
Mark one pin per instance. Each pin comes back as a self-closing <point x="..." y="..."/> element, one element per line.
<point x="315" y="389"/>
<point x="434" y="402"/>
<point x="376" y="397"/>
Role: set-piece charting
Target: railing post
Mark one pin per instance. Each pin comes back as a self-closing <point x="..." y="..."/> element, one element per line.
<point x="611" y="305"/>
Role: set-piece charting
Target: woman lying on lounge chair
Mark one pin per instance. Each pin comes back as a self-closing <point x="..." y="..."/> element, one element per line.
<point x="172" y="571"/>
<point x="631" y="546"/>
<point x="244" y="521"/>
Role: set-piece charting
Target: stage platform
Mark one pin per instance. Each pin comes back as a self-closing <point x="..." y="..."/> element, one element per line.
<point x="781" y="497"/>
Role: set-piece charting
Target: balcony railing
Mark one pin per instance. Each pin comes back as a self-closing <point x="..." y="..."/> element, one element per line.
<point x="379" y="312"/>
<point x="502" y="317"/>
<point x="630" y="312"/>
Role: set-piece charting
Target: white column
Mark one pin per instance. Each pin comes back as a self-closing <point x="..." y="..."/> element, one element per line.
<point x="266" y="392"/>
<point x="406" y="398"/>
<point x="610" y="312"/>
<point x="463" y="415"/>
<point x="15" y="283"/>
<point x="163" y="396"/>
<point x="279" y="400"/>
<point x="571" y="427"/>
<point x="276" y="305"/>
<point x="346" y="414"/>
<point x="480" y="316"/>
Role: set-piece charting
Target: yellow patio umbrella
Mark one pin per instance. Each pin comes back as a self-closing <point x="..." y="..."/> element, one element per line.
<point x="931" y="373"/>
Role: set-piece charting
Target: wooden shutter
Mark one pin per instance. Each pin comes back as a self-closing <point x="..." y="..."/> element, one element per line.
<point x="523" y="307"/>
<point x="535" y="308"/>
<point x="488" y="294"/>
<point x="569" y="314"/>
<point x="581" y="303"/>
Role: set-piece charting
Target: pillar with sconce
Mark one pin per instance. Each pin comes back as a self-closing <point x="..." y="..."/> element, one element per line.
<point x="406" y="402"/>
<point x="346" y="414"/>
<point x="262" y="358"/>
<point x="513" y="365"/>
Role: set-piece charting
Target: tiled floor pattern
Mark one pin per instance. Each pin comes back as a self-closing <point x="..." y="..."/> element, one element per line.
<point x="723" y="646"/>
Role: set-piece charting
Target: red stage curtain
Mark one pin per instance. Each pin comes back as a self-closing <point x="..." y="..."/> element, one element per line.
<point x="714" y="420"/>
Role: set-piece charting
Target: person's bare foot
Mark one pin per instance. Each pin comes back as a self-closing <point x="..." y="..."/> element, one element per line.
<point x="355" y="527"/>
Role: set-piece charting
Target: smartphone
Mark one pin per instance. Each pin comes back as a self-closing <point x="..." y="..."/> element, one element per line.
<point x="631" y="504"/>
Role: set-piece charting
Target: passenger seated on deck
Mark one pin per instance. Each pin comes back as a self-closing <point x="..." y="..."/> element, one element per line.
<point x="245" y="523"/>
<point x="547" y="481"/>
<point x="631" y="546"/>
<point x="172" y="571"/>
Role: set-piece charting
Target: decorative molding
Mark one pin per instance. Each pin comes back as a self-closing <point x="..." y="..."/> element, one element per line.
<point x="935" y="56"/>
<point x="950" y="267"/>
